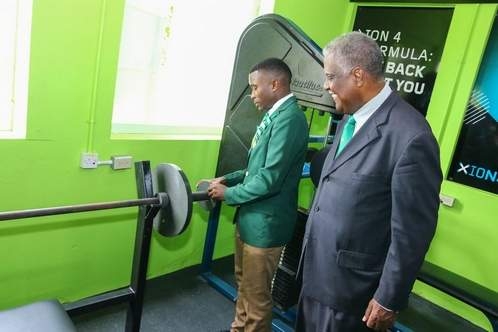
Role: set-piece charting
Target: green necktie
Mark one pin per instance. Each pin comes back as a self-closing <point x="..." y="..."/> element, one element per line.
<point x="347" y="133"/>
<point x="259" y="130"/>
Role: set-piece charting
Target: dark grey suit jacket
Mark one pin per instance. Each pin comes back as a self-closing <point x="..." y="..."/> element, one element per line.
<point x="374" y="213"/>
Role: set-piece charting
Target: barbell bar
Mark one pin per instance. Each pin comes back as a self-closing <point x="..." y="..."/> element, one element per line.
<point x="172" y="193"/>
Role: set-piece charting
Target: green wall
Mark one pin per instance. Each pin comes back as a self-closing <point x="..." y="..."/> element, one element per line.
<point x="466" y="238"/>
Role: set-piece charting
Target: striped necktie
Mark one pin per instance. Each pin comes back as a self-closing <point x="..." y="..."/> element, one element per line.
<point x="259" y="130"/>
<point x="347" y="133"/>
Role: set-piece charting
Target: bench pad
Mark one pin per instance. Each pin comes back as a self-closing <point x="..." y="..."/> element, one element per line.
<point x="39" y="316"/>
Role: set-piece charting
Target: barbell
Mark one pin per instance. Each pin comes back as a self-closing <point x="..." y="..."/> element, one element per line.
<point x="173" y="195"/>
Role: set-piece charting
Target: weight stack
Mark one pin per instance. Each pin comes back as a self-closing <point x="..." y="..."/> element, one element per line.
<point x="285" y="288"/>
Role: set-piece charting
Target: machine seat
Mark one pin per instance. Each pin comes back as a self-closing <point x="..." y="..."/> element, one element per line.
<point x="46" y="315"/>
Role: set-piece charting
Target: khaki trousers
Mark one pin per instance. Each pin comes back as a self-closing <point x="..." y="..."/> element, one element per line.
<point x="254" y="270"/>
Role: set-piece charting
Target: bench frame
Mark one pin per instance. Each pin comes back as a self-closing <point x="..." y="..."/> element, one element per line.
<point x="134" y="293"/>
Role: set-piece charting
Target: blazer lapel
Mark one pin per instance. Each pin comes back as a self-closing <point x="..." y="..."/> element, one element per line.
<point x="280" y="109"/>
<point x="368" y="133"/>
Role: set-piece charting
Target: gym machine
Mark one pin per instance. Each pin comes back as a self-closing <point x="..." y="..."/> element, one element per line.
<point x="269" y="36"/>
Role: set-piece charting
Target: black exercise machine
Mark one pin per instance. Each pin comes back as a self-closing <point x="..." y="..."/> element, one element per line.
<point x="269" y="36"/>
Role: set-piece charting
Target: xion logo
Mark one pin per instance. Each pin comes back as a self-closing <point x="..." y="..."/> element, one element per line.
<point x="478" y="172"/>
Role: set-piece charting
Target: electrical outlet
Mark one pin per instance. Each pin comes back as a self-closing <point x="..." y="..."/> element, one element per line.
<point x="89" y="160"/>
<point x="121" y="162"/>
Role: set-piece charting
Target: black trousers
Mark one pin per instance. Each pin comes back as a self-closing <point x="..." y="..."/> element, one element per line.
<point x="313" y="316"/>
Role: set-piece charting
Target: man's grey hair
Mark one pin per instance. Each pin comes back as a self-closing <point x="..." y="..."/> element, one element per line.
<point x="356" y="49"/>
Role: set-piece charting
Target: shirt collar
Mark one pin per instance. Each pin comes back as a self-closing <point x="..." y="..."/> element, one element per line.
<point x="365" y="112"/>
<point x="279" y="103"/>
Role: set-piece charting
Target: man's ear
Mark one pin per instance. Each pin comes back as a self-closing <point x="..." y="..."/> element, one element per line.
<point x="358" y="75"/>
<point x="275" y="85"/>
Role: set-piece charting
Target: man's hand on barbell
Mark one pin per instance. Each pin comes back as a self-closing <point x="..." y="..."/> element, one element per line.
<point x="216" y="191"/>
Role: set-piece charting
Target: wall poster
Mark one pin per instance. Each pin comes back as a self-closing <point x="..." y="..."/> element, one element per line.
<point x="475" y="162"/>
<point x="412" y="41"/>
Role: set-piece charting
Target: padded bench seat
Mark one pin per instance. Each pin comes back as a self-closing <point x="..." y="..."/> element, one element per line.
<point x="34" y="317"/>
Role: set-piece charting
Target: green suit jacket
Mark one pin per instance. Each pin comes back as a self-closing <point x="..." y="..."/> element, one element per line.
<point x="266" y="192"/>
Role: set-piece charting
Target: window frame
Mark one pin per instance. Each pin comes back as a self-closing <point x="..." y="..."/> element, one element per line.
<point x="19" y="71"/>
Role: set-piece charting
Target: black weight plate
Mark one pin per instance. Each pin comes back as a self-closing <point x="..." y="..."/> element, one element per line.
<point x="173" y="218"/>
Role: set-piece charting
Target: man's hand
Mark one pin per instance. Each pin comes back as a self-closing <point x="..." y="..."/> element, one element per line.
<point x="378" y="318"/>
<point x="216" y="190"/>
<point x="219" y="180"/>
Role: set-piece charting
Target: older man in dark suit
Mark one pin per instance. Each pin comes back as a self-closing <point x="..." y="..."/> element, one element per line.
<point x="375" y="210"/>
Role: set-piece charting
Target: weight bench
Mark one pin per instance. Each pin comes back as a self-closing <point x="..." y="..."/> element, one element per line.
<point x="46" y="315"/>
<point x="465" y="290"/>
<point x="168" y="211"/>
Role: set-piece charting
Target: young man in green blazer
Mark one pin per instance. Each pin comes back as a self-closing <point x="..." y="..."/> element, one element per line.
<point x="265" y="192"/>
